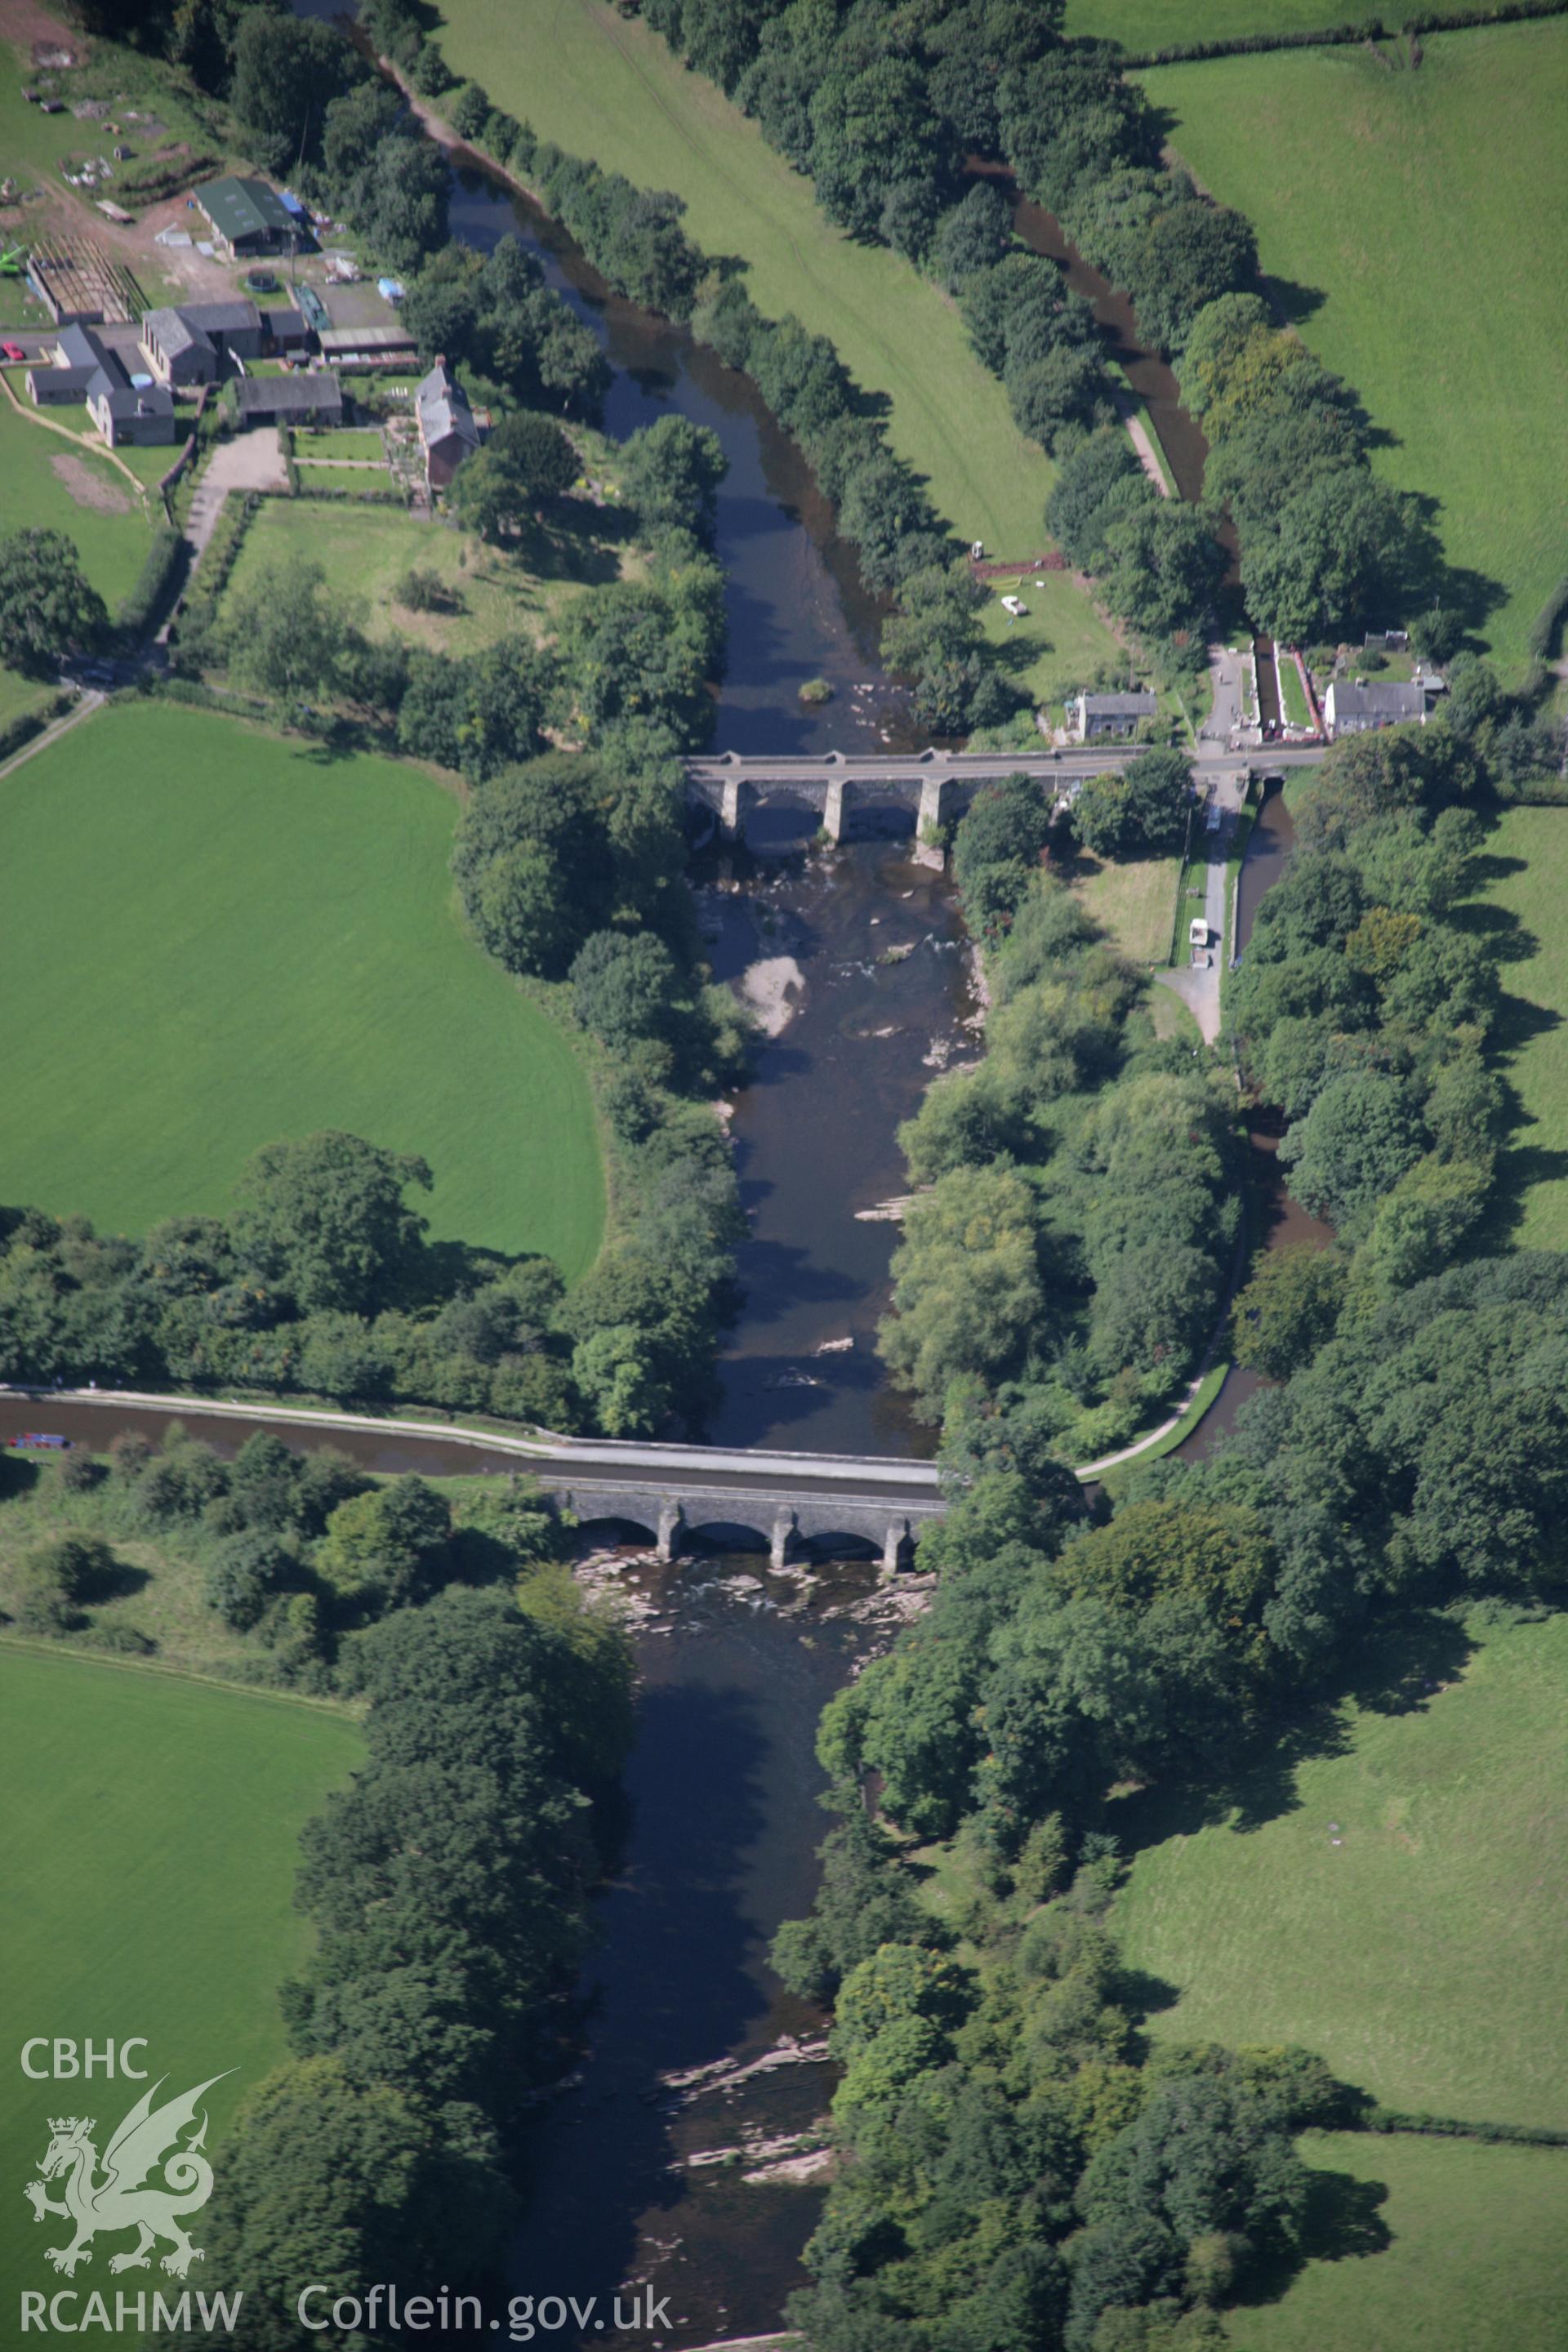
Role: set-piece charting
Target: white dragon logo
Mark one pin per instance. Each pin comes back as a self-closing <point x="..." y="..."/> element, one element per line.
<point x="144" y="2141"/>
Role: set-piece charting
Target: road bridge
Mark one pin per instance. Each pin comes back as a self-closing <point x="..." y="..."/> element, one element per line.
<point x="936" y="786"/>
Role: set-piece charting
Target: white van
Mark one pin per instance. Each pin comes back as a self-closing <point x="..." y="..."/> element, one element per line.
<point x="1197" y="932"/>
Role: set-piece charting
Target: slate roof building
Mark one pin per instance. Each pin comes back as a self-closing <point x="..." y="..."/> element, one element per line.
<point x="177" y="351"/>
<point x="78" y="356"/>
<point x="86" y="371"/>
<point x="1100" y="718"/>
<point x="191" y="344"/>
<point x="313" y="399"/>
<point x="448" y="433"/>
<point x="1351" y="709"/>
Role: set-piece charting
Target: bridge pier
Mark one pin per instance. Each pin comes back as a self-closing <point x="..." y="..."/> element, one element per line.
<point x="731" y="823"/>
<point x="784" y="1540"/>
<point x="833" y="809"/>
<point x="671" y="1527"/>
<point x="898" y="1536"/>
<point x="936" y="793"/>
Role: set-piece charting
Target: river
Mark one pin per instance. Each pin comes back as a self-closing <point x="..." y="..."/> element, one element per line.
<point x="722" y="1823"/>
<point x="865" y="950"/>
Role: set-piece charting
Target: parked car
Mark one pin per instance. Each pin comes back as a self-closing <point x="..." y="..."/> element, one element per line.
<point x="13" y="351"/>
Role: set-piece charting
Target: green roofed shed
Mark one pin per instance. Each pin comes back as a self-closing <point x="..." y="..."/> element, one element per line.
<point x="247" y="216"/>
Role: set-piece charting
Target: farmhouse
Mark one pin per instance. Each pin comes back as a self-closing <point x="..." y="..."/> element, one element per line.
<point x="314" y="399"/>
<point x="247" y="216"/>
<point x="448" y="433"/>
<point x="1097" y="718"/>
<point x="1352" y="708"/>
<point x="85" y="370"/>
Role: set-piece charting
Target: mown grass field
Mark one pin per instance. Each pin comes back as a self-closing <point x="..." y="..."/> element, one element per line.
<point x="365" y="550"/>
<point x="1476" y="2258"/>
<point x="603" y="86"/>
<point x="1530" y="847"/>
<point x="49" y="484"/>
<point x="1135" y="902"/>
<point x="1145" y="25"/>
<point x="149" y="1850"/>
<point x="211" y="938"/>
<point x="1416" y="226"/>
<point x="1423" y="1954"/>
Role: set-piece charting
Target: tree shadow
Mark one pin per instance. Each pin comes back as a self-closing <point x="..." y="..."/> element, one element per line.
<point x="1394" y="1669"/>
<point x="117" y="1581"/>
<point x="18" y="1475"/>
<point x="1291" y="300"/>
<point x="1343" y="2223"/>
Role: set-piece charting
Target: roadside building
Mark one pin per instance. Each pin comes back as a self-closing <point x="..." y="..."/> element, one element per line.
<point x="313" y="399"/>
<point x="1108" y="718"/>
<point x="447" y="432"/>
<point x="247" y="216"/>
<point x="1353" y="708"/>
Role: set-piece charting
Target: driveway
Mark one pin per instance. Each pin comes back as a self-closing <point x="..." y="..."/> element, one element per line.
<point x="1198" y="985"/>
<point x="251" y="461"/>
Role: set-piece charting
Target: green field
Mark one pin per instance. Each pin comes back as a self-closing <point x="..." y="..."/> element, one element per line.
<point x="210" y="938"/>
<point x="345" y="441"/>
<point x="1476" y="2258"/>
<point x="1135" y="902"/>
<point x="1530" y="847"/>
<point x="366" y="550"/>
<point x="1423" y="1956"/>
<point x="149" y="1863"/>
<point x="1416" y="224"/>
<point x="47" y="484"/>
<point x="606" y="86"/>
<point x="1143" y="24"/>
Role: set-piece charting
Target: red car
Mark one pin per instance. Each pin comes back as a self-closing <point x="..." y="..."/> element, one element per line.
<point x="13" y="350"/>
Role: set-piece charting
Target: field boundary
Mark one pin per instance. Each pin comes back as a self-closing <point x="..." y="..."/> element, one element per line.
<point x="1344" y="35"/>
<point x="24" y="1645"/>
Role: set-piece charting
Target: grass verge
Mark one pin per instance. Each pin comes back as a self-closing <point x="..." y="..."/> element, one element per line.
<point x="211" y="938"/>
<point x="1416" y="224"/>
